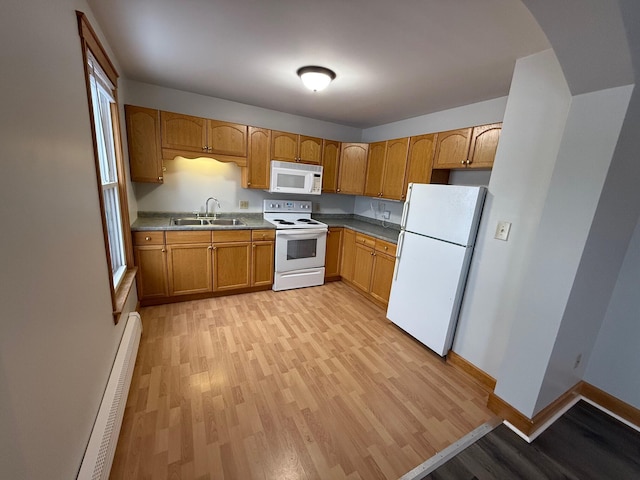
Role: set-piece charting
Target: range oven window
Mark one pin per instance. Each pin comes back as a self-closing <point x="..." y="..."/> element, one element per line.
<point x="298" y="249"/>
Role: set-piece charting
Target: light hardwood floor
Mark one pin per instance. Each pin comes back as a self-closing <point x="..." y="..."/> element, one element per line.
<point x="311" y="383"/>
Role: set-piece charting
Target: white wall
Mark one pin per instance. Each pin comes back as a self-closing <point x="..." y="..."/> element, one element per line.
<point x="57" y="336"/>
<point x="614" y="363"/>
<point x="490" y="111"/>
<point x="532" y="130"/>
<point x="545" y="340"/>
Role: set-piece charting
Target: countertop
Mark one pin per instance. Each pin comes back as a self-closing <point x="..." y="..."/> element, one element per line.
<point x="254" y="221"/>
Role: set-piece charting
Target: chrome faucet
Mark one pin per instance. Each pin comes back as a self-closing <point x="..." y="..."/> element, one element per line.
<point x="206" y="209"/>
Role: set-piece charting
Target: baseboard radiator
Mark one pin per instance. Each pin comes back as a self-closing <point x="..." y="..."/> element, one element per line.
<point x="98" y="458"/>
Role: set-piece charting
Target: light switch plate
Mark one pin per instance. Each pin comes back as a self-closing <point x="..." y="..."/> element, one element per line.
<point x="244" y="204"/>
<point x="502" y="230"/>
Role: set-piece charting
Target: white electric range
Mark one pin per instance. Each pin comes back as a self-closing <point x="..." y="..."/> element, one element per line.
<point x="300" y="246"/>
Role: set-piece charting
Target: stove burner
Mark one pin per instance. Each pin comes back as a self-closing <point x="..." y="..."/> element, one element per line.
<point x="304" y="220"/>
<point x="308" y="221"/>
<point x="284" y="222"/>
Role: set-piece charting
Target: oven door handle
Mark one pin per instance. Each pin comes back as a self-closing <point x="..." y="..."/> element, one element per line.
<point x="294" y="233"/>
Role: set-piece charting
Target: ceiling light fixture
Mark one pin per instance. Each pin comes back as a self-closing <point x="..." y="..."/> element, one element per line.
<point x="316" y="78"/>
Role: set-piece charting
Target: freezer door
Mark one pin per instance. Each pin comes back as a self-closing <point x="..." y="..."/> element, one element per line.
<point x="447" y="212"/>
<point x="427" y="289"/>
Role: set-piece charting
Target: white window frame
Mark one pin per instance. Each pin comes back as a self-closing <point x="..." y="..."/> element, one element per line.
<point x="104" y="104"/>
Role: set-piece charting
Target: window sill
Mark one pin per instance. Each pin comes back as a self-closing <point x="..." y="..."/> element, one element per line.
<point x="122" y="293"/>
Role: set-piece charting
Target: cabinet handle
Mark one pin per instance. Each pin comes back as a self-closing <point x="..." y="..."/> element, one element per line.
<point x="147" y="238"/>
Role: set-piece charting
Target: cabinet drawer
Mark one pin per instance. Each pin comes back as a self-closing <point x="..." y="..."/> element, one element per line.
<point x="365" y="240"/>
<point x="386" y="247"/>
<point x="257" y="235"/>
<point x="148" y="238"/>
<point x="231" y="236"/>
<point x="188" y="236"/>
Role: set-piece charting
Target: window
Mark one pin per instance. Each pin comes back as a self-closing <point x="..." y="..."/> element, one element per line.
<point x="102" y="80"/>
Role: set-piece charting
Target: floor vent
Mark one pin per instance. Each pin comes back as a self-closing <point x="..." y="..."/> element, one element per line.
<point x="98" y="457"/>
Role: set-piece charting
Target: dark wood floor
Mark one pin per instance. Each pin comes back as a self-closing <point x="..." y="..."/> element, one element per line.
<point x="584" y="444"/>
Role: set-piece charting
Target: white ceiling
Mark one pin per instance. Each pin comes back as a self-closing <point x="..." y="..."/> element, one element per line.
<point x="393" y="59"/>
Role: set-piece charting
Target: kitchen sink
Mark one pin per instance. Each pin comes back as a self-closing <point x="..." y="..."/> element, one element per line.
<point x="225" y="221"/>
<point x="205" y="222"/>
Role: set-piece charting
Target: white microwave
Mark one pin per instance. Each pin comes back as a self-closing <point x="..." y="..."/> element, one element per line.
<point x="287" y="177"/>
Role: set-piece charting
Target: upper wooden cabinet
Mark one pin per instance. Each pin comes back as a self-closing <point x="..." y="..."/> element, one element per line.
<point x="467" y="147"/>
<point x="290" y="147"/>
<point x="185" y="134"/>
<point x="257" y="173"/>
<point x="353" y="167"/>
<point x="143" y="139"/>
<point x="330" y="165"/>
<point x="420" y="162"/>
<point x="386" y="168"/>
<point x="375" y="169"/>
<point x="395" y="165"/>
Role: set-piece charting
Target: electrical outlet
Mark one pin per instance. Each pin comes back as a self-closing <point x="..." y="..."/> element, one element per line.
<point x="502" y="230"/>
<point x="386" y="214"/>
<point x="244" y="204"/>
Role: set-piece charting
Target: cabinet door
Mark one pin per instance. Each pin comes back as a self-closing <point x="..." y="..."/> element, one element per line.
<point x="353" y="166"/>
<point x="363" y="260"/>
<point x="143" y="139"/>
<point x="183" y="132"/>
<point x="284" y="146"/>
<point x="227" y="138"/>
<point x="330" y="156"/>
<point x="348" y="254"/>
<point x="375" y="169"/>
<point x="152" y="271"/>
<point x="333" y="253"/>
<point x="484" y="143"/>
<point x="231" y="265"/>
<point x="452" y="148"/>
<point x="189" y="267"/>
<point x="382" y="276"/>
<point x="310" y="150"/>
<point x="262" y="263"/>
<point x="395" y="166"/>
<point x="258" y="159"/>
<point x="419" y="160"/>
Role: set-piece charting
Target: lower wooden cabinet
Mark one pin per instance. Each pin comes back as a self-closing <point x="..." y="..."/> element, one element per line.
<point x="371" y="264"/>
<point x="333" y="254"/>
<point x="347" y="261"/>
<point x="262" y="257"/>
<point x="200" y="262"/>
<point x="231" y="266"/>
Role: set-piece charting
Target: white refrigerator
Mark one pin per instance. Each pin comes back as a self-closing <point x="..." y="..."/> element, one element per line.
<point x="438" y="232"/>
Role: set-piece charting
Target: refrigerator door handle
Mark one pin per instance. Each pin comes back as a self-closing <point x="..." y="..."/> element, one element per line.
<point x="398" y="254"/>
<point x="405" y="208"/>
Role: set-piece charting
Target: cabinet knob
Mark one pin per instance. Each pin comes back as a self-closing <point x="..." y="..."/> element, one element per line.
<point x="147" y="238"/>
<point x="209" y="149"/>
<point x="338" y="190"/>
<point x="160" y="178"/>
<point x="163" y="250"/>
<point x="462" y="161"/>
<point x="209" y="247"/>
<point x="386" y="248"/>
<point x="254" y="245"/>
<point x="204" y="149"/>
